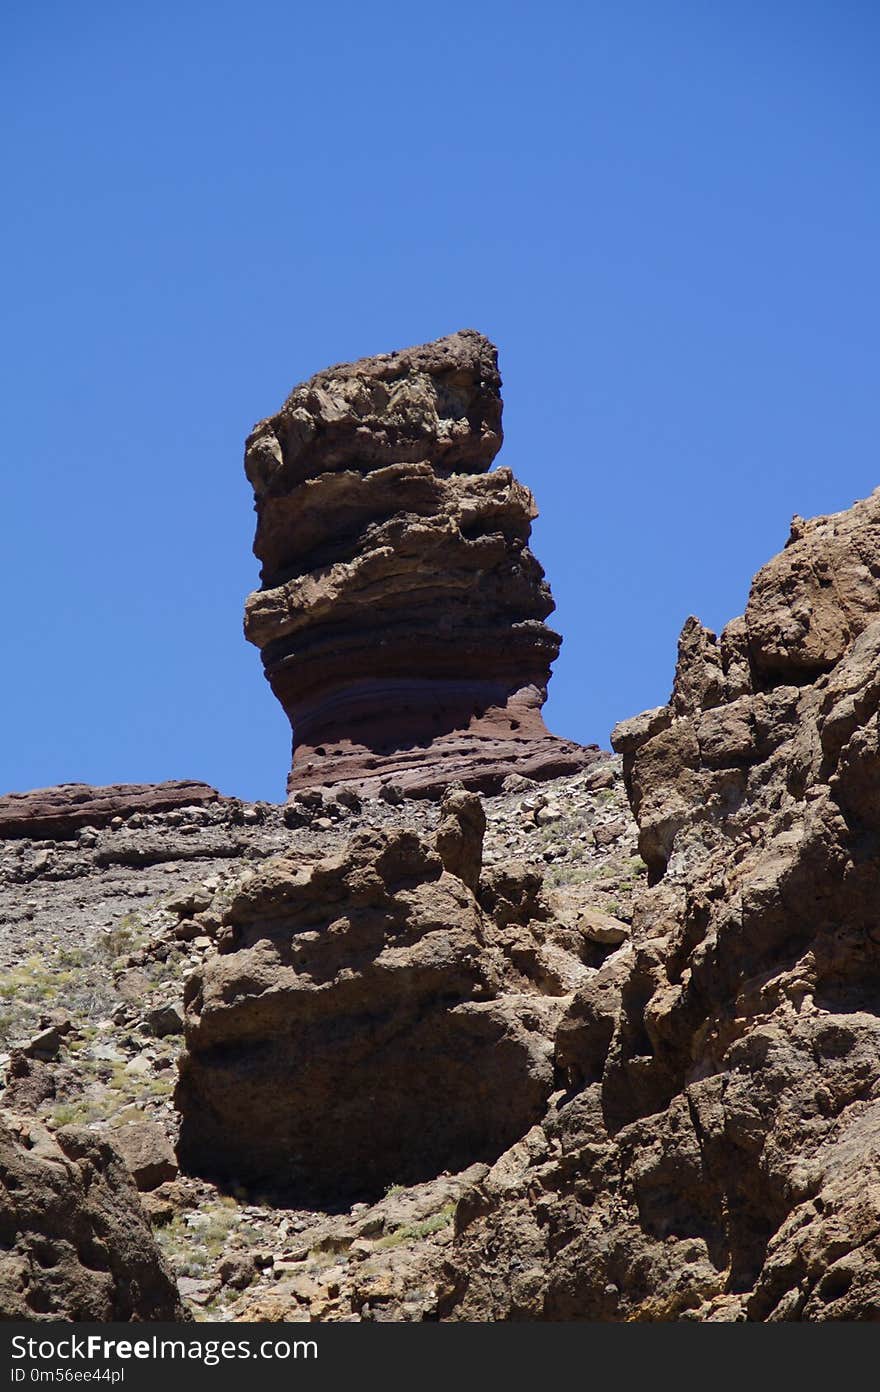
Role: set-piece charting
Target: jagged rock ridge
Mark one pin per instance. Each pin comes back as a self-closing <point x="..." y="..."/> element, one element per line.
<point x="715" y="1156"/>
<point x="401" y="614"/>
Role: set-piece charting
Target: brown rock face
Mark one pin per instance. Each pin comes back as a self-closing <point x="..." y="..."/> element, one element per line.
<point x="146" y="1151"/>
<point x="809" y="603"/>
<point x="401" y="614"/>
<point x="368" y="1023"/>
<point x="75" y="1243"/>
<point x="716" y="1156"/>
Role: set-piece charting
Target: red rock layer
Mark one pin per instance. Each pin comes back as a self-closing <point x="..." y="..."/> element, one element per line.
<point x="60" y="812"/>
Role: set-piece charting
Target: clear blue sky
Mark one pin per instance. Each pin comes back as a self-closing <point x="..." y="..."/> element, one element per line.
<point x="666" y="214"/>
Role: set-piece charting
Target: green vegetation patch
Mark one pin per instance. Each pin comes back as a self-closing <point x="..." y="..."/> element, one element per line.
<point x="413" y="1232"/>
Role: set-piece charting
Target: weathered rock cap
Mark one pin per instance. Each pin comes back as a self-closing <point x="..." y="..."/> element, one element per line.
<point x="809" y="602"/>
<point x="60" y="812"/>
<point x="439" y="401"/>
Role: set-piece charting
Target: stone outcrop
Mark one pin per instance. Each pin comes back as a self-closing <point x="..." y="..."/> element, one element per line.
<point x="366" y="1023"/>
<point x="75" y="1243"/>
<point x="715" y="1155"/>
<point x="59" y="813"/>
<point x="401" y="613"/>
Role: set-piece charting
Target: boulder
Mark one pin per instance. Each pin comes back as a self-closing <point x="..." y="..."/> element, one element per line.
<point x="165" y="1019"/>
<point x="368" y="1024"/>
<point x="146" y="1151"/>
<point x="75" y="1243"/>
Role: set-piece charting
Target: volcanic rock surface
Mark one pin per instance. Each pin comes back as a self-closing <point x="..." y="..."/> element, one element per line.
<point x="366" y="1024"/>
<point x="102" y="930"/>
<point x="717" y="1153"/>
<point x="401" y="614"/>
<point x="75" y="1243"/>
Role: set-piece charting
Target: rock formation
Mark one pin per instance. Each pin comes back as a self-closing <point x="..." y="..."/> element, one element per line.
<point x="656" y="1077"/>
<point x="401" y="613"/>
<point x="367" y="1024"/>
<point x="75" y="1243"/>
<point x="715" y="1155"/>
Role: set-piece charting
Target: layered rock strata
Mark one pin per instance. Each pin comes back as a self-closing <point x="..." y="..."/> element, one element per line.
<point x="75" y="1243"/>
<point x="401" y="613"/>
<point x="62" y="811"/>
<point x="715" y="1155"/>
<point x="366" y="1023"/>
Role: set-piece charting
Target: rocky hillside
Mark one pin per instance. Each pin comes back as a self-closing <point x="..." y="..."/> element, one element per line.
<point x="601" y="1044"/>
<point x="109" y="930"/>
